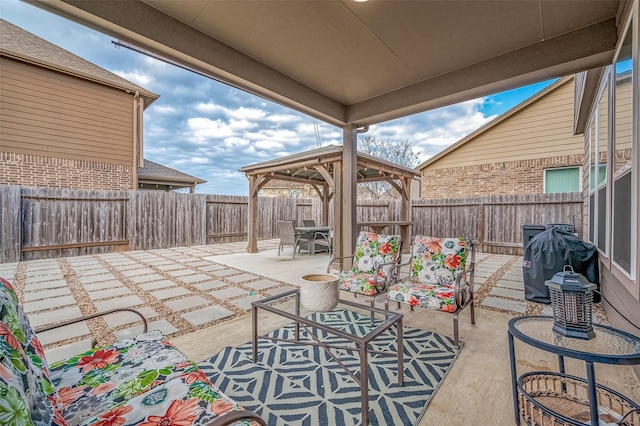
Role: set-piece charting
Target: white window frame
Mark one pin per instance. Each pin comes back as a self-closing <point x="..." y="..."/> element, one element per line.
<point x="594" y="147"/>
<point x="634" y="260"/>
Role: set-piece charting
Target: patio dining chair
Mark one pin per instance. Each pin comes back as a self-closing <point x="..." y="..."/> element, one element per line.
<point x="308" y="222"/>
<point x="441" y="277"/>
<point x="372" y="265"/>
<point x="289" y="237"/>
<point x="323" y="239"/>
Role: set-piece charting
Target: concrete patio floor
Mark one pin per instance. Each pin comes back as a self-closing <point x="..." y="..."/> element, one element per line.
<point x="200" y="297"/>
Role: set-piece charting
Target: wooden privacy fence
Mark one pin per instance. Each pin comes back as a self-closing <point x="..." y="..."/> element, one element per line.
<point x="45" y="222"/>
<point x="496" y="222"/>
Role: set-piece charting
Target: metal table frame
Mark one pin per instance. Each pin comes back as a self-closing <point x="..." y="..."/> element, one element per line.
<point x="361" y="342"/>
<point x="311" y="232"/>
<point x="557" y="347"/>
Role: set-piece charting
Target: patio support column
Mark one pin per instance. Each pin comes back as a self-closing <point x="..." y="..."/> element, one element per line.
<point x="252" y="215"/>
<point x="348" y="198"/>
<point x="337" y="213"/>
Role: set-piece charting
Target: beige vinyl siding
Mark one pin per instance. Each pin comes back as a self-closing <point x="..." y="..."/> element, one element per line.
<point x="624" y="115"/>
<point x="55" y="115"/>
<point x="541" y="129"/>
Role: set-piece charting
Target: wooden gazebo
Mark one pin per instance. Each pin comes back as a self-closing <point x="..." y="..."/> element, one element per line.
<point x="323" y="168"/>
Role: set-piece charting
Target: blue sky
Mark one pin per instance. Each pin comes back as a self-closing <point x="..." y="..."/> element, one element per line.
<point x="209" y="130"/>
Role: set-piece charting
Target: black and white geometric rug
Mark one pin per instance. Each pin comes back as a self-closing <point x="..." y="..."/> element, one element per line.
<point x="293" y="384"/>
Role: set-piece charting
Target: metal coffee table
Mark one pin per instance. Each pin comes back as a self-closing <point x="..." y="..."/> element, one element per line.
<point x="287" y="305"/>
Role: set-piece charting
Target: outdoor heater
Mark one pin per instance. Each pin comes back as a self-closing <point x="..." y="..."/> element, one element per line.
<point x="572" y="301"/>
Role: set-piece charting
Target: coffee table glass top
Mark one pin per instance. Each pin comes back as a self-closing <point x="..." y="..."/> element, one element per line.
<point x="361" y="325"/>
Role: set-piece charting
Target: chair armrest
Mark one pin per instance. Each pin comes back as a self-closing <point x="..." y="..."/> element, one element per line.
<point x="398" y="267"/>
<point x="91" y="316"/>
<point x="388" y="276"/>
<point x="232" y="417"/>
<point x="462" y="295"/>
<point x="333" y="259"/>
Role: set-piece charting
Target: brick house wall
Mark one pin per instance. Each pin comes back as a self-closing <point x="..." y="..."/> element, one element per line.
<point x="500" y="178"/>
<point x="51" y="172"/>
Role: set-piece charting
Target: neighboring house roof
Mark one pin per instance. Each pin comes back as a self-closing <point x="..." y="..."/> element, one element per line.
<point x="496" y="121"/>
<point x="156" y="176"/>
<point x="22" y="45"/>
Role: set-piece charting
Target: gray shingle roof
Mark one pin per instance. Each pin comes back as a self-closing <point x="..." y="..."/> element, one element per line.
<point x="23" y="45"/>
<point x="155" y="171"/>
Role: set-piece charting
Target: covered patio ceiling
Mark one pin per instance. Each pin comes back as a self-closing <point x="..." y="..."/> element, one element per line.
<point x="343" y="61"/>
<point x="322" y="168"/>
<point x="355" y="64"/>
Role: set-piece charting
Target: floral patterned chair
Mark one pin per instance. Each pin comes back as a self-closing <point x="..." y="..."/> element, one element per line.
<point x="441" y="276"/>
<point x="142" y="381"/>
<point x="372" y="264"/>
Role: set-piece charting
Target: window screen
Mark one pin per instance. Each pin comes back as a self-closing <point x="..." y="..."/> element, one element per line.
<point x="622" y="222"/>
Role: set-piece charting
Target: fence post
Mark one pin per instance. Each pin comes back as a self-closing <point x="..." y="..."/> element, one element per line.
<point x="10" y="223"/>
<point x="480" y="232"/>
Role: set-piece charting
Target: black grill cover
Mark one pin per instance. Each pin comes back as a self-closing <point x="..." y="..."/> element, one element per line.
<point x="547" y="253"/>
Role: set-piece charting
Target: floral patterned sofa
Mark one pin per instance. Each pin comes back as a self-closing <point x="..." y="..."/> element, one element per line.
<point x="373" y="261"/>
<point x="142" y="381"/>
<point x="441" y="276"/>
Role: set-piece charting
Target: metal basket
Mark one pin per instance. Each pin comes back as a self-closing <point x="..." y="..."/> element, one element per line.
<point x="554" y="399"/>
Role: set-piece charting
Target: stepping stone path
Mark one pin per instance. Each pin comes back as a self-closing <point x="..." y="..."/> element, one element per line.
<point x="182" y="289"/>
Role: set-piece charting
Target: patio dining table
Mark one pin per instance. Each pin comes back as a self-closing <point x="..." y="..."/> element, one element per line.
<point x="312" y="232"/>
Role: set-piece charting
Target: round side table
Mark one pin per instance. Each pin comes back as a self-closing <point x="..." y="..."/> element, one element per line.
<point x="610" y="346"/>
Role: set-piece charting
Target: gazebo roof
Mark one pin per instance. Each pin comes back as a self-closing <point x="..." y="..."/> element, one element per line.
<point x="301" y="168"/>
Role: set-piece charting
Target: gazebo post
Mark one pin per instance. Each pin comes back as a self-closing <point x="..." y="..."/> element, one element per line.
<point x="325" y="204"/>
<point x="252" y="215"/>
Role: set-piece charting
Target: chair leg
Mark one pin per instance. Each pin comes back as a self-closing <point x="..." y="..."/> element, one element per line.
<point x="373" y="305"/>
<point x="456" y="340"/>
<point x="472" y="310"/>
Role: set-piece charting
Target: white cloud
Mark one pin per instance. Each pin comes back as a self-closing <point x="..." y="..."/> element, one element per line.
<point x="164" y="109"/>
<point x="246" y="113"/>
<point x="200" y="160"/>
<point x="239" y="114"/>
<point x="209" y="107"/>
<point x="240" y="125"/>
<point x="235" y="142"/>
<point x="267" y="145"/>
<point x="204" y="129"/>
<point x="137" y="77"/>
<point x="282" y="118"/>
